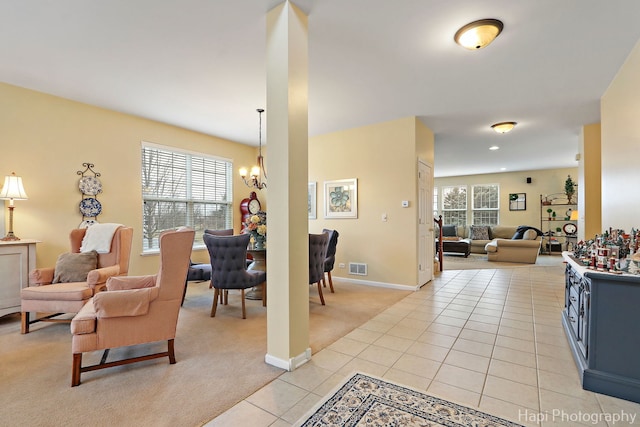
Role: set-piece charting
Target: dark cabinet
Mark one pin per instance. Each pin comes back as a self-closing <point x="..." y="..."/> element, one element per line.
<point x="601" y="319"/>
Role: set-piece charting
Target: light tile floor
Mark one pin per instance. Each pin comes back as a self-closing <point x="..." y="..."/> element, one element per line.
<point x="489" y="339"/>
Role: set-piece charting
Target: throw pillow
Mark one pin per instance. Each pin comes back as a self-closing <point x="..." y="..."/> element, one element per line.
<point x="530" y="234"/>
<point x="480" y="232"/>
<point x="71" y="267"/>
<point x="449" y="231"/>
<point x="522" y="229"/>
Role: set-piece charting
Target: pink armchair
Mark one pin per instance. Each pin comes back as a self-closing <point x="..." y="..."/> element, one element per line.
<point x="134" y="309"/>
<point x="45" y="297"/>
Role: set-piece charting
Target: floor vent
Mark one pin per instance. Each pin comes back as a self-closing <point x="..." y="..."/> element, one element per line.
<point x="358" y="268"/>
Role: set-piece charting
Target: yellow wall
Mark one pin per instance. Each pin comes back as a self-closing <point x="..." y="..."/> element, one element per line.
<point x="590" y="182"/>
<point x="45" y="140"/>
<point x="383" y="157"/>
<point x="544" y="181"/>
<point x="620" y="110"/>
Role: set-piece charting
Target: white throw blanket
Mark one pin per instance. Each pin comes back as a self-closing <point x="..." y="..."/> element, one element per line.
<point x="98" y="237"/>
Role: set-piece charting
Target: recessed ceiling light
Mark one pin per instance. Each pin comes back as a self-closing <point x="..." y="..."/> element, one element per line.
<point x="478" y="34"/>
<point x="503" y="169"/>
<point x="494" y="147"/>
<point x="503" y="127"/>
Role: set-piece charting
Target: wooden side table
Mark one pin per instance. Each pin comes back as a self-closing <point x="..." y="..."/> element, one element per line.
<point x="17" y="259"/>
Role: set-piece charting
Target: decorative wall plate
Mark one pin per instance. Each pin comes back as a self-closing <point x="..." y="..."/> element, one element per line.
<point x="90" y="185"/>
<point x="90" y="207"/>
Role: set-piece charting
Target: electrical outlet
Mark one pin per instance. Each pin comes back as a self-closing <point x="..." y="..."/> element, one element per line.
<point x="341" y="265"/>
<point x="384" y="217"/>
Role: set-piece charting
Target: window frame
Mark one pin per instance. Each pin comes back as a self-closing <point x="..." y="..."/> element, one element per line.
<point x="481" y="210"/>
<point x="192" y="193"/>
<point x="463" y="211"/>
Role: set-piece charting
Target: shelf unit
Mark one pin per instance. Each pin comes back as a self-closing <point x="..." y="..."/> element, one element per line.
<point x="555" y="241"/>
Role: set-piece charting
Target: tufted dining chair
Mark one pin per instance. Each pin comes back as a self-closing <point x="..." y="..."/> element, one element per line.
<point x="69" y="295"/>
<point x="229" y="268"/>
<point x="330" y="258"/>
<point x="318" y="244"/>
<point x="134" y="309"/>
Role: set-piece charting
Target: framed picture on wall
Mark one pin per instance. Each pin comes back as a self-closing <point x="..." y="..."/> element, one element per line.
<point x="311" y="200"/>
<point x="341" y="198"/>
<point x="518" y="201"/>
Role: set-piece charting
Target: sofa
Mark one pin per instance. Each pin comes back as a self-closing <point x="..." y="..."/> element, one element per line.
<point x="497" y="241"/>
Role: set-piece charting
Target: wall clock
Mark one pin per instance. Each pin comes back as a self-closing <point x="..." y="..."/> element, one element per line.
<point x="249" y="206"/>
<point x="570" y="228"/>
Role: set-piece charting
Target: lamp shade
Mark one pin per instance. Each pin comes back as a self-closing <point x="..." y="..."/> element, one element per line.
<point x="478" y="34"/>
<point x="12" y="188"/>
<point x="574" y="216"/>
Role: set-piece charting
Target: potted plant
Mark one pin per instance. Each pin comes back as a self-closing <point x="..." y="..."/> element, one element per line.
<point x="554" y="215"/>
<point x="569" y="189"/>
<point x="549" y="212"/>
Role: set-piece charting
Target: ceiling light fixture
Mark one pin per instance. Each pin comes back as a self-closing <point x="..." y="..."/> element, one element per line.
<point x="494" y="148"/>
<point x="478" y="34"/>
<point x="503" y="127"/>
<point x="255" y="180"/>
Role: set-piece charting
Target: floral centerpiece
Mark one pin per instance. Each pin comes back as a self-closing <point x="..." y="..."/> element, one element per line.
<point x="256" y="225"/>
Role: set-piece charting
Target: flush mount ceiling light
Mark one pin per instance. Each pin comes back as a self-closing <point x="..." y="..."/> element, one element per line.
<point x="503" y="127"/>
<point x="494" y="148"/>
<point x="478" y="34"/>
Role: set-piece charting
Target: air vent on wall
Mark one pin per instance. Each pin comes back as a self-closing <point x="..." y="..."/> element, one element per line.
<point x="358" y="268"/>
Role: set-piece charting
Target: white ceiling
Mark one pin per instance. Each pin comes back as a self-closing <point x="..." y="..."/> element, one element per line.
<point x="200" y="64"/>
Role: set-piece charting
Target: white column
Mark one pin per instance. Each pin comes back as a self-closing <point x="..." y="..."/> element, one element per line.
<point x="287" y="154"/>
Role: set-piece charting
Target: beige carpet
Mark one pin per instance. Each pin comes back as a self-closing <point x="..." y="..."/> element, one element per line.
<point x="479" y="261"/>
<point x="220" y="361"/>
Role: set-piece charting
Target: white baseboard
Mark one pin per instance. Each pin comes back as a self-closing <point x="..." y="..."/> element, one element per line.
<point x="291" y="364"/>
<point x="379" y="284"/>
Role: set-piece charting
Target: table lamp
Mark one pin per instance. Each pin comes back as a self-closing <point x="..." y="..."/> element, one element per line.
<point x="12" y="190"/>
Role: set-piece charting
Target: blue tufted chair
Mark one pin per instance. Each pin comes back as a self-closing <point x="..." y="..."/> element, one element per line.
<point x="229" y="267"/>
<point x="330" y="259"/>
<point x="318" y="244"/>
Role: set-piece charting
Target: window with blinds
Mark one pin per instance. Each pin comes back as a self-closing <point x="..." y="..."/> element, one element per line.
<point x="183" y="189"/>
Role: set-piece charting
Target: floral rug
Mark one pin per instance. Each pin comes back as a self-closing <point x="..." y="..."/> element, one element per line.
<point x="363" y="400"/>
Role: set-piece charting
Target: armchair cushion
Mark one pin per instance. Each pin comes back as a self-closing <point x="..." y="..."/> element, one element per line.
<point x="74" y="267"/>
<point x="127" y="303"/>
<point x="85" y="321"/>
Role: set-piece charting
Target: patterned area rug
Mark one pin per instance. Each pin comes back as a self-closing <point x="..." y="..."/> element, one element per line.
<point x="364" y="400"/>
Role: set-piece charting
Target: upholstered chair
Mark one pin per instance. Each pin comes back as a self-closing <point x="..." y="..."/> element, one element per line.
<point x="318" y="244"/>
<point x="202" y="272"/>
<point x="134" y="309"/>
<point x="330" y="259"/>
<point x="70" y="295"/>
<point x="229" y="268"/>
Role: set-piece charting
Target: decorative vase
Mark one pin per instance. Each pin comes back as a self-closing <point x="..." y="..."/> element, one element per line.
<point x="260" y="240"/>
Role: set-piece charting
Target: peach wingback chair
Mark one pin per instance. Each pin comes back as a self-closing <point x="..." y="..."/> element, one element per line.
<point x="59" y="298"/>
<point x="134" y="309"/>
